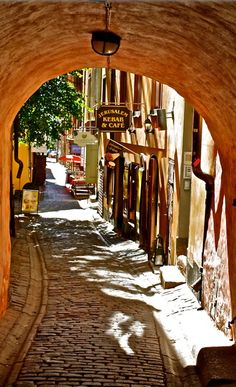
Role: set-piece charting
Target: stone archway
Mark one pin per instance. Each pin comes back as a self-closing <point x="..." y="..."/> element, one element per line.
<point x="188" y="45"/>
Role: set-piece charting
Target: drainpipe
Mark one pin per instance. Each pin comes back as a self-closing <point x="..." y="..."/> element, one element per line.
<point x="209" y="186"/>
<point x="231" y="328"/>
<point x="16" y="126"/>
<point x="19" y="172"/>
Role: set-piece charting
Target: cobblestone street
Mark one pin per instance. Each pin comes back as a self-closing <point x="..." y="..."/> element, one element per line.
<point x="87" y="310"/>
<point x="98" y="330"/>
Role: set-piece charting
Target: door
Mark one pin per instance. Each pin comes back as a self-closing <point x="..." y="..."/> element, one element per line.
<point x="152" y="206"/>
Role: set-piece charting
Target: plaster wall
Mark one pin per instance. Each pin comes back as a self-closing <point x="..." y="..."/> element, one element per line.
<point x="185" y="190"/>
<point x="196" y="224"/>
<point x="172" y="100"/>
<point x="198" y="196"/>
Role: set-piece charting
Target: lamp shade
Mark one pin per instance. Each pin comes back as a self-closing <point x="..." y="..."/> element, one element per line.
<point x="105" y="42"/>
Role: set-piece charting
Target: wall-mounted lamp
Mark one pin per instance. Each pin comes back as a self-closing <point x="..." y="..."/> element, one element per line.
<point x="148" y="126"/>
<point x="136" y="113"/>
<point x="162" y="116"/>
<point x="132" y="130"/>
<point x="105" y="42"/>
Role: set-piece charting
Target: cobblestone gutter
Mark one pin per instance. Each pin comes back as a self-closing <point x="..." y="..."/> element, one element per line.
<point x="27" y="303"/>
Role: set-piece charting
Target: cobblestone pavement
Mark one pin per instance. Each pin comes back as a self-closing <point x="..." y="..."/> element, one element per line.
<point x="98" y="330"/>
<point x="94" y="312"/>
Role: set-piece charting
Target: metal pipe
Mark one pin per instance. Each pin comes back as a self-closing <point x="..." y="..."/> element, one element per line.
<point x="209" y="186"/>
<point x="16" y="126"/>
<point x="231" y="328"/>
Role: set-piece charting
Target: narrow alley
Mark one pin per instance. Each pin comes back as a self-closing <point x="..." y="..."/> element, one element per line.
<point x="106" y="320"/>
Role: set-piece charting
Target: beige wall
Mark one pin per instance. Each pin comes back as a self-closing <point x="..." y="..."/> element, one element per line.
<point x="198" y="196"/>
<point x="196" y="225"/>
<point x="173" y="101"/>
<point x="185" y="192"/>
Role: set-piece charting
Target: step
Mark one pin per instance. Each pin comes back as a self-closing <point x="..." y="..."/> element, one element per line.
<point x="216" y="366"/>
<point x="171" y="276"/>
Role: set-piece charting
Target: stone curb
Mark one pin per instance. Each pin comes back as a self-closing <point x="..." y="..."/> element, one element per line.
<point x="27" y="308"/>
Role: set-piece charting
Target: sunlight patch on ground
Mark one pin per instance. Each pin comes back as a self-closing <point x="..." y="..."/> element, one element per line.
<point x="58" y="171"/>
<point x="123" y="333"/>
<point x="123" y="246"/>
<point x="125" y="294"/>
<point x="79" y="259"/>
<point x="108" y="273"/>
<point x="74" y="214"/>
<point x="70" y="249"/>
<point x="186" y="328"/>
<point x="155" y="301"/>
<point x="58" y="256"/>
<point x="74" y="268"/>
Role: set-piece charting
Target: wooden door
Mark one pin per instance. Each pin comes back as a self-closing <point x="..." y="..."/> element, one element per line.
<point x="152" y="206"/>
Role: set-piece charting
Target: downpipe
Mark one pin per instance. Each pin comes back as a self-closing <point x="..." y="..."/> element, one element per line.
<point x="19" y="172"/>
<point x="16" y="126"/>
<point x="231" y="329"/>
<point x="209" y="187"/>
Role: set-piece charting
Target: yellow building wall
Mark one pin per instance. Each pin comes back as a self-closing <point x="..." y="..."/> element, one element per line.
<point x="25" y="176"/>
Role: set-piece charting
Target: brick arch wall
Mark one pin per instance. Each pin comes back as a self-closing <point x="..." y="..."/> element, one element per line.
<point x="189" y="46"/>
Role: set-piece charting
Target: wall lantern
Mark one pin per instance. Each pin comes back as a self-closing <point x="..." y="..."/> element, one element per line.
<point x="159" y="256"/>
<point x="105" y="42"/>
<point x="132" y="130"/>
<point x="148" y="126"/>
<point x="162" y="116"/>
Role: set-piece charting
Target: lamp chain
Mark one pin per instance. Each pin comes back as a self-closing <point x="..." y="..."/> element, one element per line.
<point x="108" y="7"/>
<point x="108" y="64"/>
<point x="108" y="13"/>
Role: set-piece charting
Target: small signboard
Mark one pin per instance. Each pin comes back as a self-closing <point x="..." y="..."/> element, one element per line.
<point x="113" y="118"/>
<point x="39" y="149"/>
<point x="84" y="138"/>
<point x="30" y="200"/>
<point x="113" y="147"/>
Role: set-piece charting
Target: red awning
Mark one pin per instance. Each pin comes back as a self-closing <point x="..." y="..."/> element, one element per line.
<point x="70" y="158"/>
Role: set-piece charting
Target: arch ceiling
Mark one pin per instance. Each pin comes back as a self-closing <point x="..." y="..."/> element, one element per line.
<point x="189" y="45"/>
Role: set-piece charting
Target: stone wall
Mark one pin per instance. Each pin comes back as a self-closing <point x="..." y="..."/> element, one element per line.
<point x="216" y="292"/>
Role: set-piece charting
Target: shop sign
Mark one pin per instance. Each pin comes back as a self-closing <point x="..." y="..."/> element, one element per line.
<point x="84" y="138"/>
<point x="113" y="118"/>
<point x="30" y="200"/>
<point x="113" y="147"/>
<point x="39" y="149"/>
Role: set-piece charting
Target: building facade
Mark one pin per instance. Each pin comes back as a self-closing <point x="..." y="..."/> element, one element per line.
<point x="159" y="182"/>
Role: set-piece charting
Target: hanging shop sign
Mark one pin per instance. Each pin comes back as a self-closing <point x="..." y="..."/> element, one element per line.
<point x="39" y="149"/>
<point x="113" y="147"/>
<point x="84" y="138"/>
<point x="113" y="118"/>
